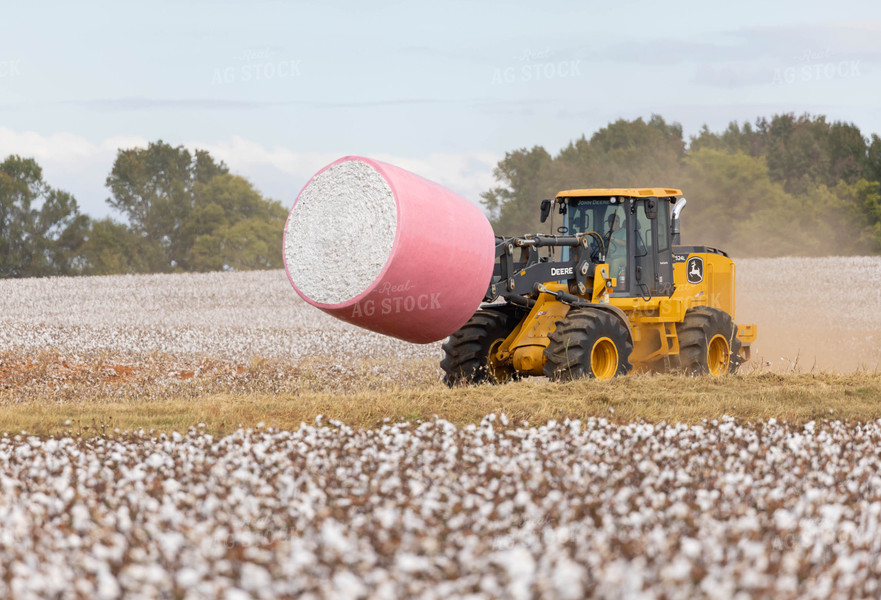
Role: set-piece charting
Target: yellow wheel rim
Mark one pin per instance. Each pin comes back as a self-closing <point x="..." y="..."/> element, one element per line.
<point x="498" y="370"/>
<point x="604" y="359"/>
<point x="718" y="355"/>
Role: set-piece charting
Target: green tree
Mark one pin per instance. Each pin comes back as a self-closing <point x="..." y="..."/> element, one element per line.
<point x="41" y="229"/>
<point x="112" y="248"/>
<point x="186" y="212"/>
<point x="248" y="244"/>
<point x="785" y="185"/>
<point x="873" y="159"/>
<point x="734" y="139"/>
<point x="624" y="154"/>
<point x="826" y="167"/>
<point x="735" y="206"/>
<point x="801" y="152"/>
<point x="526" y="178"/>
<point x="234" y="227"/>
<point x="860" y="204"/>
<point x="154" y="188"/>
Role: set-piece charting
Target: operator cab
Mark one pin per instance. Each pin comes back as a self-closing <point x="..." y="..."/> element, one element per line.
<point x="636" y="229"/>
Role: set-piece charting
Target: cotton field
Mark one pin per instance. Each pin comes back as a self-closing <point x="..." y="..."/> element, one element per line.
<point x="424" y="508"/>
<point x="229" y="316"/>
<point x="815" y="313"/>
<point x="491" y="510"/>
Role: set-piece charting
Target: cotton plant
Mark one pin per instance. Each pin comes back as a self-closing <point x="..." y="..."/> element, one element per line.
<point x="567" y="509"/>
<point x="233" y="316"/>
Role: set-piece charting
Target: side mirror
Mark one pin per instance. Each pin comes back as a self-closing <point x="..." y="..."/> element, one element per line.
<point x="651" y="207"/>
<point x="545" y="209"/>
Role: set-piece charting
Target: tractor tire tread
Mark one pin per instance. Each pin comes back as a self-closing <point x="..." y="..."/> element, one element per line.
<point x="571" y="343"/>
<point x="465" y="358"/>
<point x="694" y="332"/>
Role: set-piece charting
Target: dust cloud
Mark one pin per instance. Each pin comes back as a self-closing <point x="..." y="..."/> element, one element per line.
<point x="812" y="313"/>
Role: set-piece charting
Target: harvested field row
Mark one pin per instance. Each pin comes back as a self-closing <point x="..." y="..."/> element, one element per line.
<point x="804" y="308"/>
<point x="50" y="397"/>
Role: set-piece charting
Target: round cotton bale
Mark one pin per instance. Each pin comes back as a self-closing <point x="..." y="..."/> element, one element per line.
<point x="387" y="250"/>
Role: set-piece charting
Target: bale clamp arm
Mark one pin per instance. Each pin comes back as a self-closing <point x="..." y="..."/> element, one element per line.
<point x="519" y="276"/>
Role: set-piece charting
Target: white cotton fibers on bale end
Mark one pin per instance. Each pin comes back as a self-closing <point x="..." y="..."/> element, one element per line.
<point x="348" y="200"/>
<point x="387" y="250"/>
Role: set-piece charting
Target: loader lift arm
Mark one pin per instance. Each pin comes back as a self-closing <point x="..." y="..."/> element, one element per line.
<point x="518" y="276"/>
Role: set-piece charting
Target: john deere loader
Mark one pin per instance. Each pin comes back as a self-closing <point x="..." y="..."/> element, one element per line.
<point x="611" y="291"/>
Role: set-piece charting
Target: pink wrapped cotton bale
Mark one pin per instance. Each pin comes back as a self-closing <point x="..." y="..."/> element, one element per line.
<point x="386" y="250"/>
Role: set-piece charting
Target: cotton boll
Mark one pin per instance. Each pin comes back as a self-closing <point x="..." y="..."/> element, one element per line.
<point x="389" y="512"/>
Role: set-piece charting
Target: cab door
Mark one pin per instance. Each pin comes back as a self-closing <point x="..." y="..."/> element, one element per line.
<point x="652" y="250"/>
<point x="664" y="244"/>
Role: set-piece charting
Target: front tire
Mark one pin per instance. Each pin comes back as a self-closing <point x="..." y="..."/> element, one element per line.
<point x="588" y="343"/>
<point x="708" y="343"/>
<point x="467" y="353"/>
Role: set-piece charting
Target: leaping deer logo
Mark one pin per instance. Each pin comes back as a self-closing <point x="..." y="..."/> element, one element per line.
<point x="695" y="271"/>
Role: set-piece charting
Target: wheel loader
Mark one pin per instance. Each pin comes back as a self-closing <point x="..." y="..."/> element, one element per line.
<point x="610" y="291"/>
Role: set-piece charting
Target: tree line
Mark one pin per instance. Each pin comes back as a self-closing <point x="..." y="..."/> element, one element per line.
<point x="786" y="185"/>
<point x="182" y="211"/>
<point x="789" y="185"/>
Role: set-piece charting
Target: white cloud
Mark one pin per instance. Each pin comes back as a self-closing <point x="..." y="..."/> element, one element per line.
<point x="468" y="173"/>
<point x="71" y="162"/>
<point x="78" y="165"/>
<point x="62" y="148"/>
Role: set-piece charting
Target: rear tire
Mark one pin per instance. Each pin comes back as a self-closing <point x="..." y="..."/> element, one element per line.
<point x="467" y="352"/>
<point x="708" y="343"/>
<point x="588" y="343"/>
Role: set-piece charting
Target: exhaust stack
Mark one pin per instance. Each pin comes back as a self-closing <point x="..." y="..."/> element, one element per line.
<point x="677" y="209"/>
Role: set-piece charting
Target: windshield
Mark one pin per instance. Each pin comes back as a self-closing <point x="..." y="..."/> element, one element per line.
<point x="609" y="220"/>
<point x="595" y="215"/>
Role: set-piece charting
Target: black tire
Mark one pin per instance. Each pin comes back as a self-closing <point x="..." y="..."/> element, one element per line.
<point x="466" y="352"/>
<point x="708" y="343"/>
<point x="588" y="343"/>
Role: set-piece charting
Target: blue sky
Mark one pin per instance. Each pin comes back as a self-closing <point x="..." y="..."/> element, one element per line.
<point x="279" y="89"/>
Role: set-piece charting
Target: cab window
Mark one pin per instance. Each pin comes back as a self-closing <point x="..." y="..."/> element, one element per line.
<point x="644" y="255"/>
<point x="610" y="221"/>
<point x="615" y="237"/>
<point x="663" y="227"/>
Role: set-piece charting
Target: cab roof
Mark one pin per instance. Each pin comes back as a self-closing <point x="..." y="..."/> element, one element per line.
<point x="626" y="192"/>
